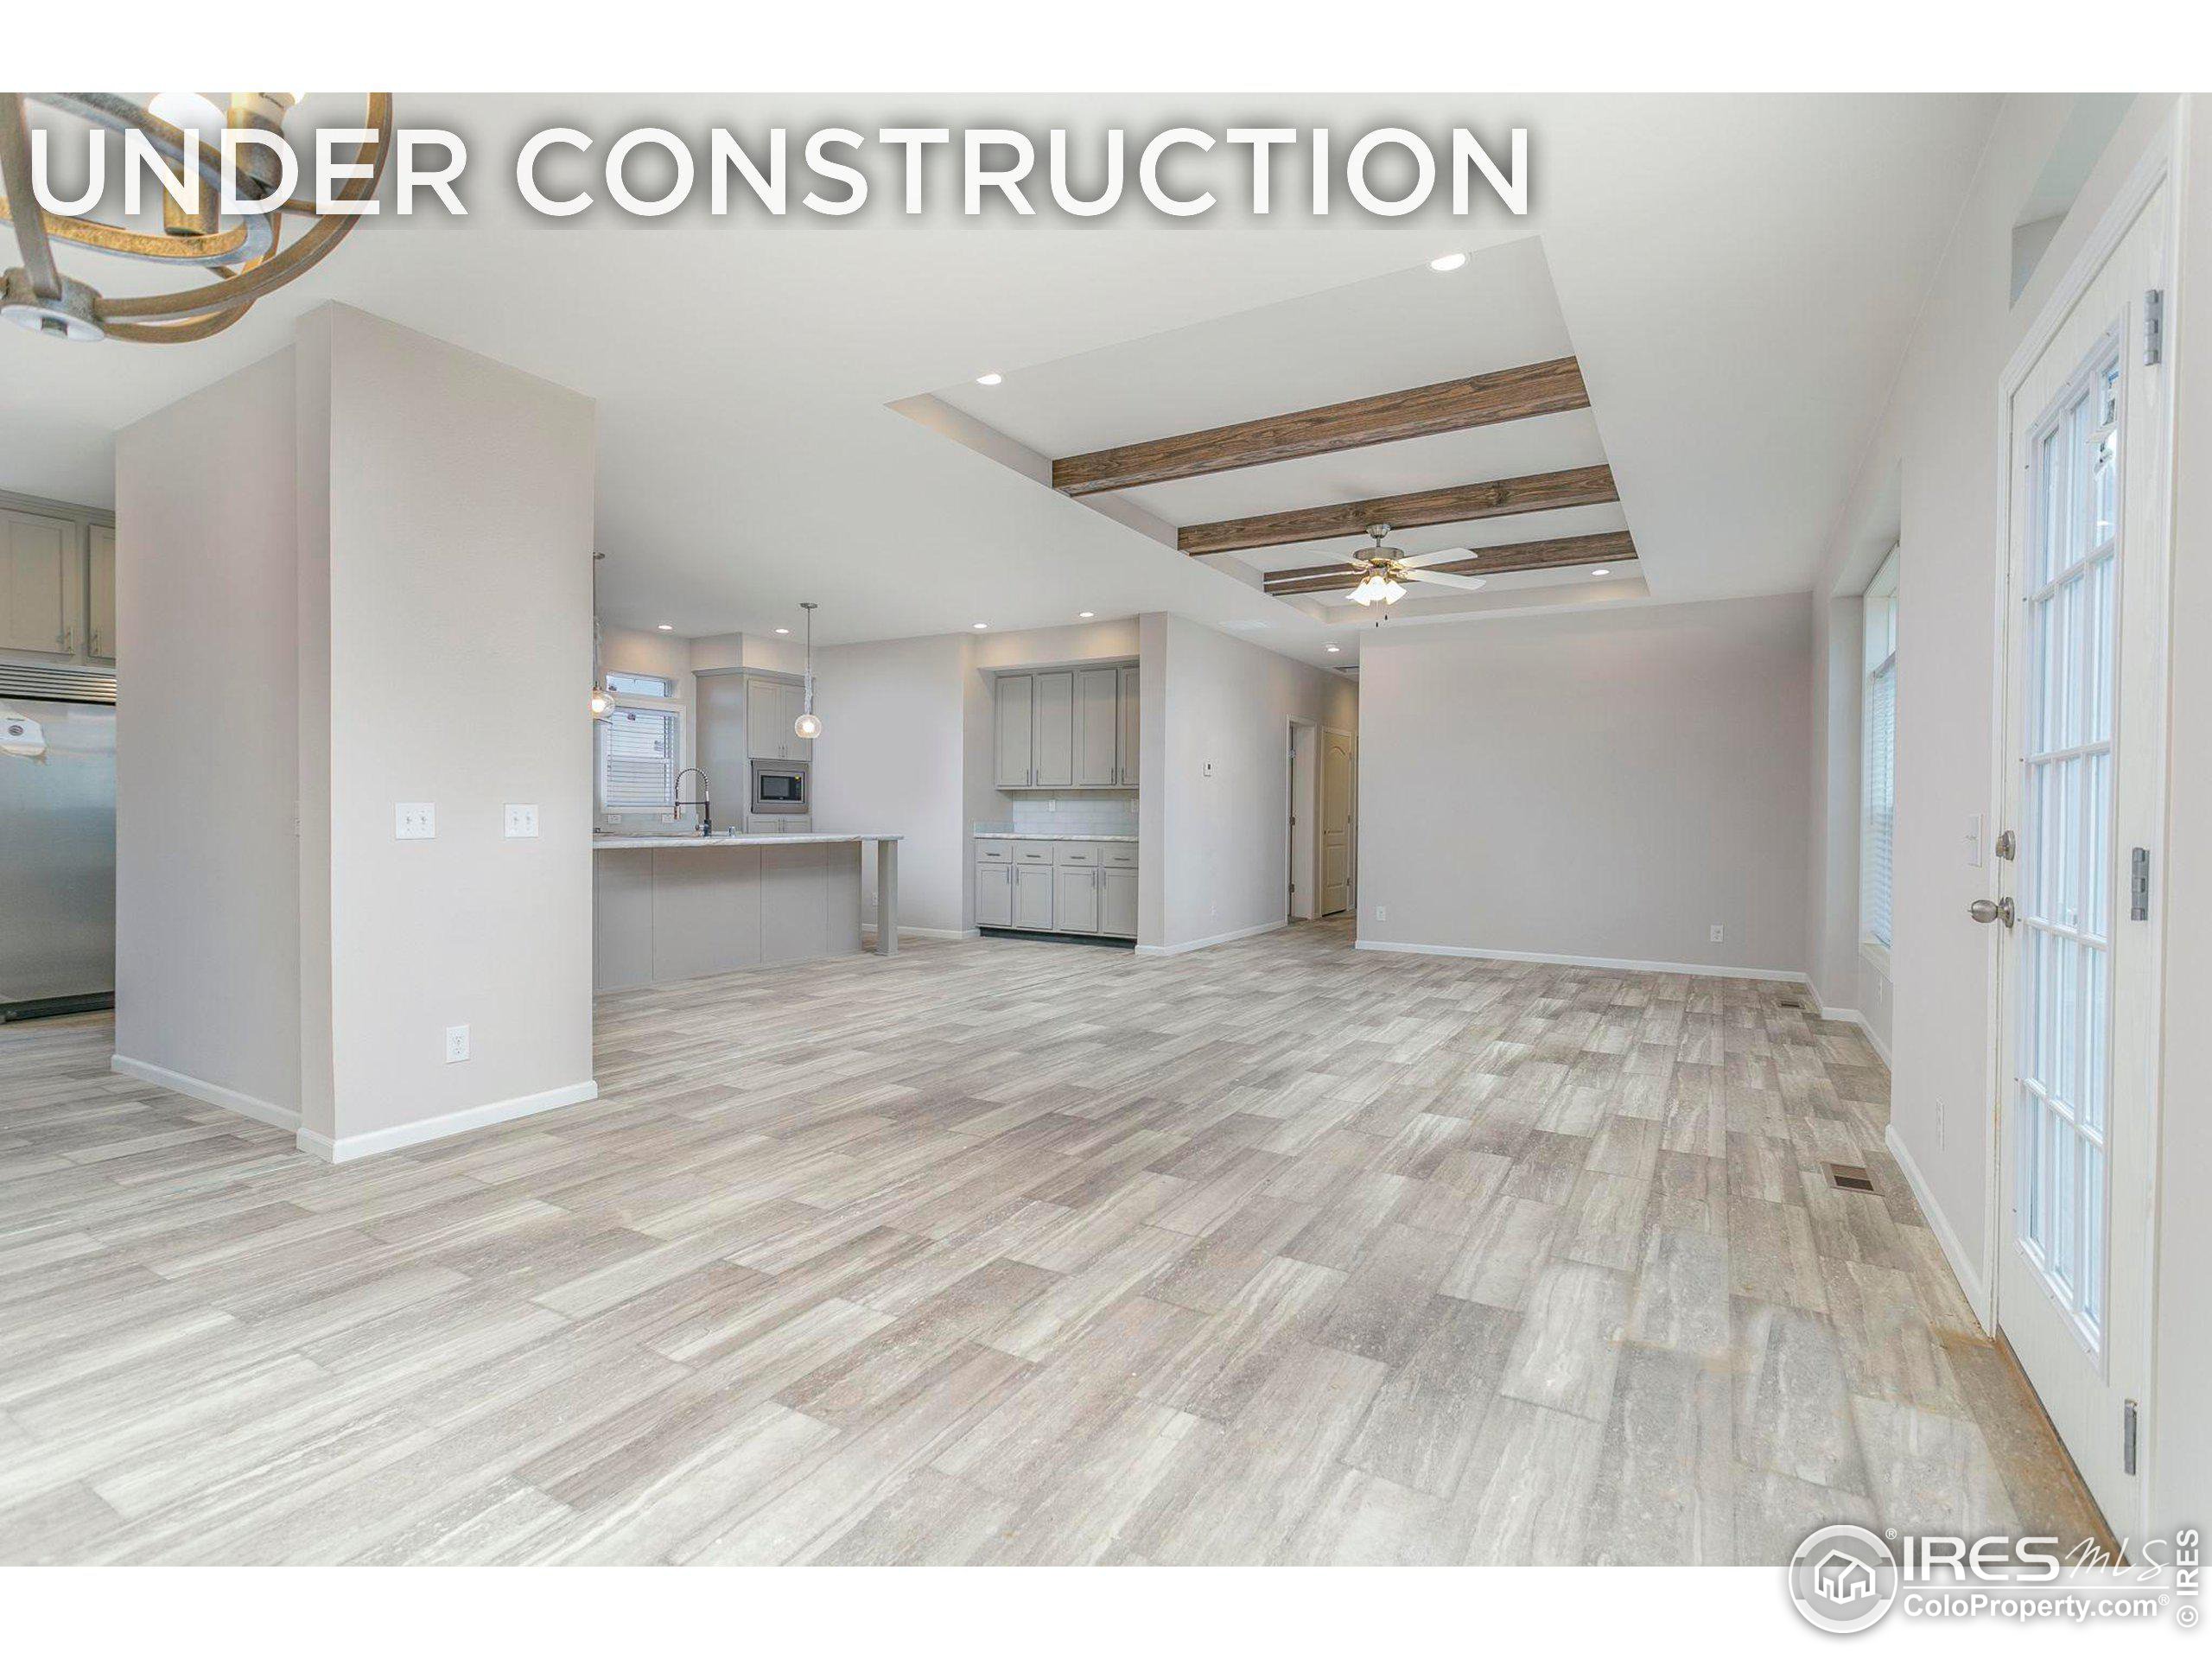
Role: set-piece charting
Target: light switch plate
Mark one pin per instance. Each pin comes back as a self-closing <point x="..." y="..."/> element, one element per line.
<point x="521" y="820"/>
<point x="1974" y="840"/>
<point x="414" y="820"/>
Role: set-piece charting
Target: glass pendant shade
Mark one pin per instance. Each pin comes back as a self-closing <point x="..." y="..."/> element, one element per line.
<point x="808" y="725"/>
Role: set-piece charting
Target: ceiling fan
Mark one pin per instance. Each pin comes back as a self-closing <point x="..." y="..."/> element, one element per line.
<point x="1385" y="571"/>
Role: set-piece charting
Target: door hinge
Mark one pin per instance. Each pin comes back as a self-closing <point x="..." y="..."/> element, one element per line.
<point x="2127" y="1438"/>
<point x="2138" y="886"/>
<point x="2154" y="326"/>
<point x="2007" y="847"/>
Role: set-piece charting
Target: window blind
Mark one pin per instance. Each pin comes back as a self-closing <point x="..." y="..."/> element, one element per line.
<point x="637" y="759"/>
<point x="1878" y="838"/>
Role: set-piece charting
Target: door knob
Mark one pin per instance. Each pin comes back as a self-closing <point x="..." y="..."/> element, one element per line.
<point x="1991" y="910"/>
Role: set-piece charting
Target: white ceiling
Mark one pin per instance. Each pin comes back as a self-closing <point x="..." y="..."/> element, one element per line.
<point x="1738" y="276"/>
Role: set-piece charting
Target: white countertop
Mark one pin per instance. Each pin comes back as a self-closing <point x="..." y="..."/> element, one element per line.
<point x="1025" y="835"/>
<point x="626" y="843"/>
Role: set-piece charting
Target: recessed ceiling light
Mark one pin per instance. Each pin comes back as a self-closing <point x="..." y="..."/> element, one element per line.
<point x="1601" y="573"/>
<point x="666" y="627"/>
<point x="783" y="630"/>
<point x="990" y="380"/>
<point x="1086" y="615"/>
<point x="982" y="624"/>
<point x="1332" y="648"/>
<point x="1449" y="262"/>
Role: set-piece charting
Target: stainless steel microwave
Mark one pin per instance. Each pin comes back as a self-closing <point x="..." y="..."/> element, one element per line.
<point x="779" y="787"/>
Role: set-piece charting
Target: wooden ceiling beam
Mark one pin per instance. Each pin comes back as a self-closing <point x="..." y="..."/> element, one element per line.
<point x="1515" y="394"/>
<point x="1577" y="487"/>
<point x="1612" y="547"/>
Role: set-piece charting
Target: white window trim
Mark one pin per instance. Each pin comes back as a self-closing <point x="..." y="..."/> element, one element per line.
<point x="1884" y="586"/>
<point x="656" y="705"/>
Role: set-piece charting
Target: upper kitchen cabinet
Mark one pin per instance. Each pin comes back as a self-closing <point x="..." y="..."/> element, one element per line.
<point x="1097" y="727"/>
<point x="38" y="572"/>
<point x="772" y="709"/>
<point x="1016" y="727"/>
<point x="1064" y="729"/>
<point x="1128" y="759"/>
<point x="99" y="594"/>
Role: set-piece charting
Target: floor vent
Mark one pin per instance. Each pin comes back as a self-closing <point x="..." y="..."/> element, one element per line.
<point x="1850" y="1177"/>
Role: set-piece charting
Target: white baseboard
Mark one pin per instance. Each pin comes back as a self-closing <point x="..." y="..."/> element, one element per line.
<point x="1970" y="1280"/>
<point x="1850" y="1017"/>
<point x="1219" y="938"/>
<point x="261" y="1111"/>
<point x="1621" y="963"/>
<point x="348" y="1147"/>
<point x="868" y="930"/>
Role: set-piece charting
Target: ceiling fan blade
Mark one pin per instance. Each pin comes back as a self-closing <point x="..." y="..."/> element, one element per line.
<point x="1421" y="560"/>
<point x="1445" y="579"/>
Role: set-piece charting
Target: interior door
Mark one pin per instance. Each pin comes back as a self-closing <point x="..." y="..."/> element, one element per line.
<point x="2085" y="736"/>
<point x="1336" y="822"/>
<point x="1305" y="895"/>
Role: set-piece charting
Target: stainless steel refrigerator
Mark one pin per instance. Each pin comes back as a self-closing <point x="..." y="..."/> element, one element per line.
<point x="57" y="840"/>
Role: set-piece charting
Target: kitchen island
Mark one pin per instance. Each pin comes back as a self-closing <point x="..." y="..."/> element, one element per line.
<point x="671" y="908"/>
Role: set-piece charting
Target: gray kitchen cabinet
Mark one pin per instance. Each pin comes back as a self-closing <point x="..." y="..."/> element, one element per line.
<point x="1126" y="760"/>
<point x="771" y="709"/>
<point x="777" y="823"/>
<point x="99" y="594"/>
<point x="995" y="895"/>
<point x="1032" y="896"/>
<point x="1055" y="752"/>
<point x="1015" y="695"/>
<point x="1117" y="902"/>
<point x="1075" y="900"/>
<point x="38" y="567"/>
<point x="1097" y="727"/>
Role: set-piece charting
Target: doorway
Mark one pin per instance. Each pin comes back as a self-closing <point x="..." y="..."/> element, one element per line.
<point x="2084" y="791"/>
<point x="1304" y="827"/>
<point x="1340" y="820"/>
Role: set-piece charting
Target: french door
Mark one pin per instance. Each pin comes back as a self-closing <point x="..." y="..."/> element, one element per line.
<point x="2084" y="728"/>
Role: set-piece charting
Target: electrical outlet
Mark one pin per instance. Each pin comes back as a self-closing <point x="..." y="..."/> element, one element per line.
<point x="1381" y="913"/>
<point x="1207" y="769"/>
<point x="414" y="820"/>
<point x="456" y="1043"/>
<point x="1714" y="933"/>
<point x="521" y="821"/>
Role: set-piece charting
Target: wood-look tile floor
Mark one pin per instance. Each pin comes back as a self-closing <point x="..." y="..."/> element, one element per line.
<point x="1021" y="1252"/>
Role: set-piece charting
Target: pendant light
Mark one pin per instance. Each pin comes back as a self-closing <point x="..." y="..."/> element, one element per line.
<point x="809" y="724"/>
<point x="603" y="700"/>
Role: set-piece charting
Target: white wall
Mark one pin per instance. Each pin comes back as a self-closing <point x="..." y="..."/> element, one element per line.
<point x="1220" y="852"/>
<point x="460" y="561"/>
<point x="890" y="758"/>
<point x="2180" y="1429"/>
<point x="207" y="954"/>
<point x="1599" y="783"/>
<point x="1938" y="433"/>
<point x="1931" y="477"/>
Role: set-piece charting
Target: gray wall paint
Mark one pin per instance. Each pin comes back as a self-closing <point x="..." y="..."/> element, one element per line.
<point x="1222" y="849"/>
<point x="206" y="868"/>
<point x="891" y="760"/>
<point x="460" y="559"/>
<point x="1601" y="783"/>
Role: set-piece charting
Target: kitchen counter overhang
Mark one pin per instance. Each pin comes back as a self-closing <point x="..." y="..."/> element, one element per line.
<point x="674" y="907"/>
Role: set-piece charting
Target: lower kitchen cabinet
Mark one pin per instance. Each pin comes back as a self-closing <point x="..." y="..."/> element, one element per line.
<point x="1074" y="900"/>
<point x="1049" y="896"/>
<point x="1117" y="903"/>
<point x="1032" y="896"/>
<point x="995" y="895"/>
